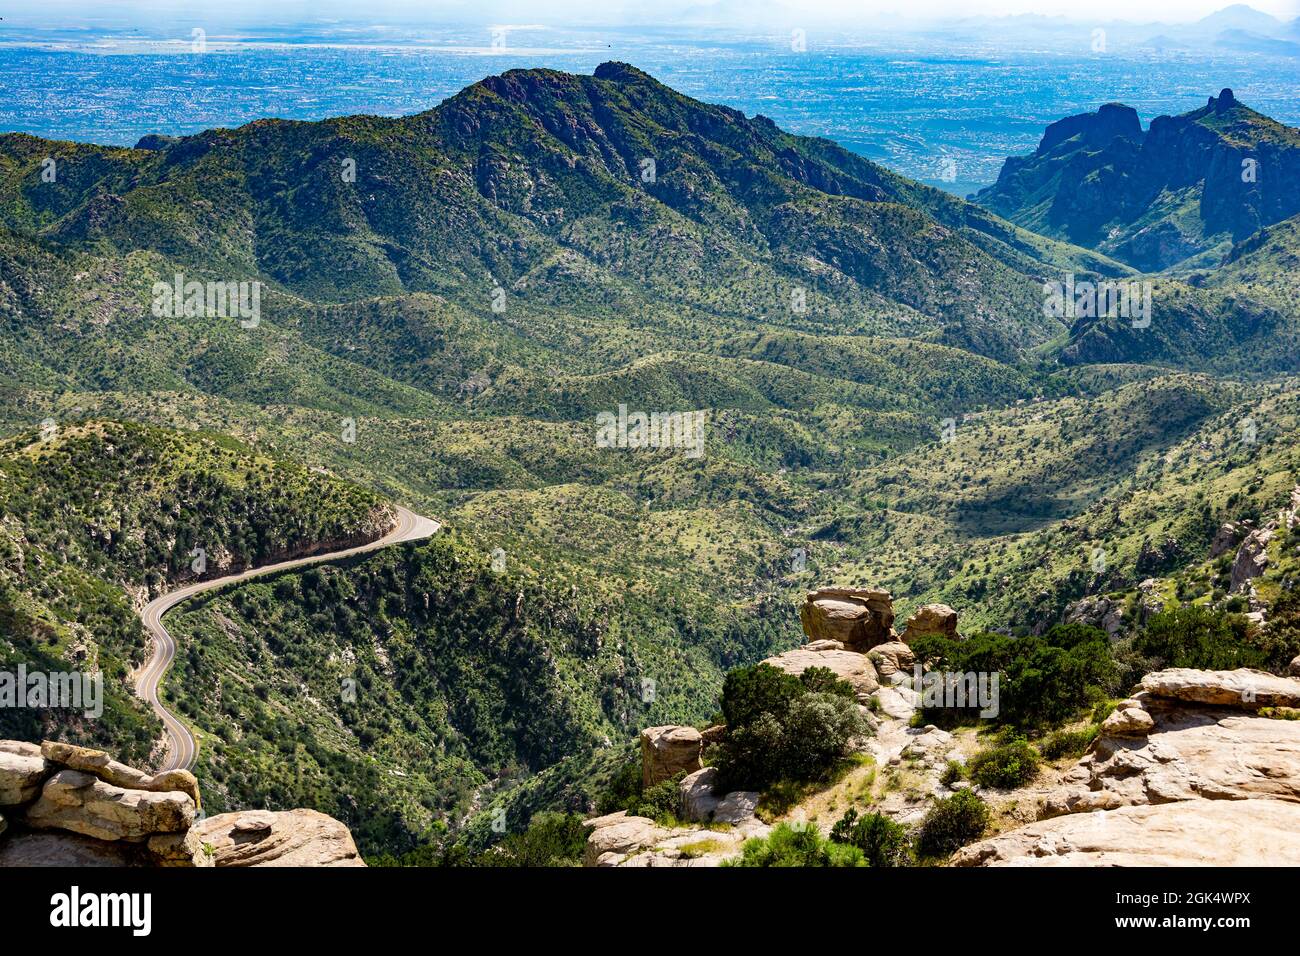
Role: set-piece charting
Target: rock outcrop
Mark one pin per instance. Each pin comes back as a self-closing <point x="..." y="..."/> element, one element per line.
<point x="625" y="841"/>
<point x="851" y="666"/>
<point x="669" y="750"/>
<point x="1192" y="833"/>
<point x="283" y="838"/>
<point x="82" y="803"/>
<point x="859" y="618"/>
<point x="66" y="805"/>
<point x="892" y="658"/>
<point x="931" y="619"/>
<point x="1186" y="760"/>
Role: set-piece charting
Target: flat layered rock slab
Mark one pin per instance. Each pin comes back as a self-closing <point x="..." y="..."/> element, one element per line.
<point x="851" y="666"/>
<point x="1189" y="833"/>
<point x="282" y="838"/>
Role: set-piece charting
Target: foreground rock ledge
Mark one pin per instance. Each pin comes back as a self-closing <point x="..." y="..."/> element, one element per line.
<point x="65" y="805"/>
<point x="1188" y="833"/>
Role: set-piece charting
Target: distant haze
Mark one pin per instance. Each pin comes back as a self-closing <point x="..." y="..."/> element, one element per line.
<point x="734" y="13"/>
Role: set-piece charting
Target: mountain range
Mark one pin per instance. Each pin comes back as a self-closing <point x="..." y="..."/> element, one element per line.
<point x="447" y="303"/>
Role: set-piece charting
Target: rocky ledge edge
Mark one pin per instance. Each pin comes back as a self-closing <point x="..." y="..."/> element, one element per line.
<point x="64" y="805"/>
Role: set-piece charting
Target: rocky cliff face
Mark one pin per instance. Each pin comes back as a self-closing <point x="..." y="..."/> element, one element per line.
<point x="63" y="805"/>
<point x="1153" y="199"/>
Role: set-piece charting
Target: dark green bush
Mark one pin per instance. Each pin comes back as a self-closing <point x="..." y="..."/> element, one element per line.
<point x="1067" y="743"/>
<point x="781" y="727"/>
<point x="1005" y="766"/>
<point x="1199" y="637"/>
<point x="797" y="846"/>
<point x="882" y="841"/>
<point x="1043" y="681"/>
<point x="952" y="823"/>
<point x="952" y="772"/>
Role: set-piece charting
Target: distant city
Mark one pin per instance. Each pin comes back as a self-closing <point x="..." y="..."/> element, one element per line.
<point x="942" y="106"/>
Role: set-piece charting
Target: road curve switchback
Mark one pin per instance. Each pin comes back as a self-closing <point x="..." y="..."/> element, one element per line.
<point x="182" y="749"/>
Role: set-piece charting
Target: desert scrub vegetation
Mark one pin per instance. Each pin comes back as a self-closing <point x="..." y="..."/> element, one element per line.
<point x="1043" y="682"/>
<point x="952" y="823"/>
<point x="883" y="842"/>
<point x="785" y="728"/>
<point x="790" y="845"/>
<point x="1004" y="766"/>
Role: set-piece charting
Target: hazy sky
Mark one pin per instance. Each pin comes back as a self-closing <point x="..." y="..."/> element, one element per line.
<point x="741" y="13"/>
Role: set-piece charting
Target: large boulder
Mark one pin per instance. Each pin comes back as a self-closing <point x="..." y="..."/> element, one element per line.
<point x="856" y="617"/>
<point x="851" y="666"/>
<point x="1251" y="560"/>
<point x="1191" y="833"/>
<point x="891" y="658"/>
<point x="281" y="838"/>
<point x="82" y="803"/>
<point x="615" y="835"/>
<point x="667" y="751"/>
<point x="931" y="619"/>
<point x="22" y="771"/>
<point x="701" y="805"/>
<point x="1242" y="688"/>
<point x="119" y="774"/>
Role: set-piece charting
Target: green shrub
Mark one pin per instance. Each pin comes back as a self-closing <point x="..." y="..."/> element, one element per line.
<point x="1005" y="766"/>
<point x="952" y="823"/>
<point x="952" y="772"/>
<point x="781" y="727"/>
<point x="1199" y="637"/>
<point x="801" y="846"/>
<point x="1043" y="681"/>
<point x="1067" y="743"/>
<point x="882" y="841"/>
<point x="661" y="801"/>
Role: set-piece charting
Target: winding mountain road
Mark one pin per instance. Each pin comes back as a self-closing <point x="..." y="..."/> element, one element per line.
<point x="181" y="747"/>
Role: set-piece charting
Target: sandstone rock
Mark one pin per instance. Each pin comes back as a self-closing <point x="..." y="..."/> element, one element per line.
<point x="64" y="849"/>
<point x="618" y="834"/>
<point x="1189" y="753"/>
<point x="618" y="840"/>
<point x="853" y="667"/>
<point x="667" y="751"/>
<point x="1229" y="536"/>
<point x="824" y="646"/>
<point x="891" y="658"/>
<point x="931" y="619"/>
<point x="3" y="825"/>
<point x="82" y="803"/>
<point x="856" y="617"/>
<point x="1192" y="833"/>
<point x="1098" y="611"/>
<point x="898" y="702"/>
<point x="737" y="807"/>
<point x="295" y="838"/>
<point x="179" y="850"/>
<point x="698" y="800"/>
<point x="119" y="774"/>
<point x="1242" y="688"/>
<point x="21" y="774"/>
<point x="1127" y="722"/>
<point x="713" y="735"/>
<point x="1252" y="558"/>
<point x="1294" y="668"/>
